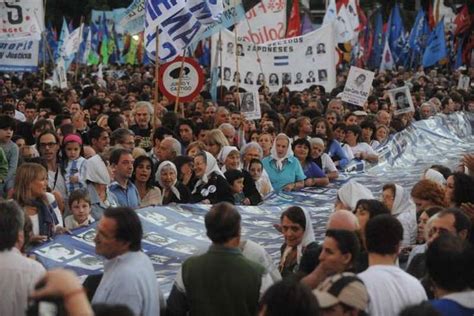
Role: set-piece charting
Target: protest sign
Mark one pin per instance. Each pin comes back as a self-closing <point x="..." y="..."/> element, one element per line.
<point x="21" y="56"/>
<point x="463" y="82"/>
<point x="265" y="22"/>
<point x="191" y="82"/>
<point x="357" y="86"/>
<point x="297" y="63"/>
<point x="401" y="98"/>
<point x="21" y="19"/>
<point x="250" y="105"/>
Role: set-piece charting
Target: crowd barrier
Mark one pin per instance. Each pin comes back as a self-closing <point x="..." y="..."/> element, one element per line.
<point x="173" y="233"/>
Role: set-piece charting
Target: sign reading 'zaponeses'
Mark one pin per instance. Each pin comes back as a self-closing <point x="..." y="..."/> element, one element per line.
<point x="21" y="19"/>
<point x="297" y="63"/>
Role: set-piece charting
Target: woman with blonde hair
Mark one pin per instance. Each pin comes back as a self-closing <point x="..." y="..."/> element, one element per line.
<point x="215" y="141"/>
<point x="31" y="183"/>
<point x="194" y="148"/>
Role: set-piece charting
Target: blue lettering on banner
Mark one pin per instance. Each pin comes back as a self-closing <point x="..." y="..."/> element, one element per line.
<point x="154" y="7"/>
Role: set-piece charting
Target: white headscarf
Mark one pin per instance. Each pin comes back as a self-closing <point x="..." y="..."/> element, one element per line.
<point x="173" y="188"/>
<point x="226" y="150"/>
<point x="308" y="237"/>
<point x="211" y="166"/>
<point x="405" y="211"/>
<point x="351" y="192"/>
<point x="96" y="170"/>
<point x="402" y="201"/>
<point x="435" y="176"/>
<point x="273" y="152"/>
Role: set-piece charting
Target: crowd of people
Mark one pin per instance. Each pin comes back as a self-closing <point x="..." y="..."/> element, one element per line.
<point x="101" y="149"/>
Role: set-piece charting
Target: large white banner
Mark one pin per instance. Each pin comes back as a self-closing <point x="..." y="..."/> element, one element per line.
<point x="21" y="19"/>
<point x="20" y="56"/>
<point x="297" y="63"/>
<point x="267" y="21"/>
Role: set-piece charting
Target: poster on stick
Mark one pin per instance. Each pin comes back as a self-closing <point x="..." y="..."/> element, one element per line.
<point x="401" y="98"/>
<point x="358" y="84"/>
<point x="191" y="81"/>
<point x="296" y="63"/>
<point x="250" y="105"/>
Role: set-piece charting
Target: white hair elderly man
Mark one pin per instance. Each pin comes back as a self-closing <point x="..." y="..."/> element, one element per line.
<point x="142" y="114"/>
<point x="426" y="110"/>
<point x="229" y="132"/>
<point x="169" y="149"/>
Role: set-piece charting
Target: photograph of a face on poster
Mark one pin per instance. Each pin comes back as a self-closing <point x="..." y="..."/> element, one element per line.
<point x="250" y="105"/>
<point x="358" y="85"/>
<point x="182" y="229"/>
<point x="58" y="252"/>
<point x="87" y="262"/>
<point x="157" y="239"/>
<point x="87" y="237"/>
<point x="153" y="217"/>
<point x="401" y="98"/>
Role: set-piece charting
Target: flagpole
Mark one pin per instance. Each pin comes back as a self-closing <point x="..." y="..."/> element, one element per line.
<point x="77" y="54"/>
<point x="157" y="70"/>
<point x="237" y="81"/>
<point x="43" y="34"/>
<point x="180" y="80"/>
<point x="219" y="50"/>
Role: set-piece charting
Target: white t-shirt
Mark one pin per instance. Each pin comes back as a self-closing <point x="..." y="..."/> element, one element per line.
<point x="360" y="148"/>
<point x="391" y="290"/>
<point x="327" y="163"/>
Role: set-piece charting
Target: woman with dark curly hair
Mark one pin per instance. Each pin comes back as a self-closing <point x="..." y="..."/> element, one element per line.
<point x="459" y="189"/>
<point x="323" y="130"/>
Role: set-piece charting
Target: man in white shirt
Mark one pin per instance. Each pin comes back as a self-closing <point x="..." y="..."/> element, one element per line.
<point x="390" y="288"/>
<point x="18" y="274"/>
<point x="129" y="278"/>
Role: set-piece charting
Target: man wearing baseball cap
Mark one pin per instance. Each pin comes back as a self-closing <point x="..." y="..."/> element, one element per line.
<point x="342" y="294"/>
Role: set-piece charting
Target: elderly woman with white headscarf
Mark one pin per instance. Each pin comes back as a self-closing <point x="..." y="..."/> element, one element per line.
<point x="349" y="194"/>
<point x="97" y="177"/>
<point x="300" y="251"/>
<point x="173" y="191"/>
<point x="399" y="202"/>
<point x="282" y="167"/>
<point x="229" y="157"/>
<point x="211" y="186"/>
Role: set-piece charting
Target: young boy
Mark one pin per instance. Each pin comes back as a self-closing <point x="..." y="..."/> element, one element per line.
<point x="322" y="159"/>
<point x="235" y="178"/>
<point x="7" y="126"/>
<point x="80" y="206"/>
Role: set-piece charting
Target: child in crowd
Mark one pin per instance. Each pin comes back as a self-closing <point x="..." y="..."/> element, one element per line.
<point x="235" y="178"/>
<point x="80" y="206"/>
<point x="73" y="162"/>
<point x="322" y="159"/>
<point x="7" y="126"/>
<point x="263" y="184"/>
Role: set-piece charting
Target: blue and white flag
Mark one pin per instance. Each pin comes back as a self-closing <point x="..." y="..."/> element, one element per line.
<point x="73" y="41"/>
<point x="436" y="49"/>
<point x="178" y="24"/>
<point x="280" y="60"/>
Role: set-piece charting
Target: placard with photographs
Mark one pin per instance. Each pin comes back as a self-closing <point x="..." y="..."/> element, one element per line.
<point x="250" y="105"/>
<point x="463" y="82"/>
<point x="401" y="98"/>
<point x="358" y="84"/>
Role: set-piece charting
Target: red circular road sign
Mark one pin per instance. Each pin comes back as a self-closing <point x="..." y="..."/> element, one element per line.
<point x="191" y="82"/>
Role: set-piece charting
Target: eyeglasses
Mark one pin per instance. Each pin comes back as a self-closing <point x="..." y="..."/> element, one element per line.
<point x="47" y="145"/>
